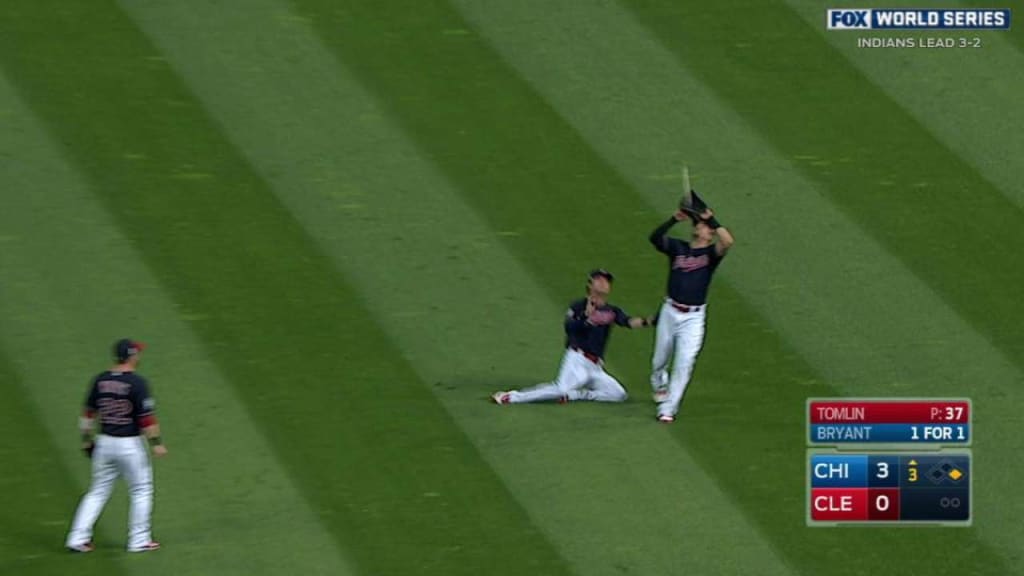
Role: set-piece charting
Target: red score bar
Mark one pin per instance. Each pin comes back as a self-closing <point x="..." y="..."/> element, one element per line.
<point x="890" y="411"/>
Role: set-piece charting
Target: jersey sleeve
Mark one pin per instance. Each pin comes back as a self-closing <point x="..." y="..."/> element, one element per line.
<point x="143" y="404"/>
<point x="91" y="399"/>
<point x="574" y="318"/>
<point x="715" y="258"/>
<point x="659" y="237"/>
<point x="621" y="318"/>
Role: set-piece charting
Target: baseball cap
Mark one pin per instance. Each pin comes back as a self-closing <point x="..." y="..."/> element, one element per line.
<point x="601" y="273"/>
<point x="125" y="348"/>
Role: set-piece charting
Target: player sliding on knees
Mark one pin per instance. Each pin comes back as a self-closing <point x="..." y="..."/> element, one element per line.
<point x="681" y="320"/>
<point x="588" y="323"/>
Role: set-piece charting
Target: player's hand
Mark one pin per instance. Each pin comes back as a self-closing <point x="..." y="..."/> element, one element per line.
<point x="680" y="215"/>
<point x="160" y="451"/>
<point x="590" y="308"/>
<point x="706" y="214"/>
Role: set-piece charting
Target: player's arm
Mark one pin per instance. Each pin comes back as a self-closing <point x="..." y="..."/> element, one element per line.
<point x="87" y="421"/>
<point x="725" y="239"/>
<point x="659" y="238"/>
<point x="152" y="433"/>
<point x="636" y="322"/>
<point x="623" y="319"/>
<point x="146" y="417"/>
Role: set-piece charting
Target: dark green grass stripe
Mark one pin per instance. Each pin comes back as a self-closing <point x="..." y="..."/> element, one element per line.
<point x="923" y="202"/>
<point x="38" y="495"/>
<point x="526" y="171"/>
<point x="392" y="476"/>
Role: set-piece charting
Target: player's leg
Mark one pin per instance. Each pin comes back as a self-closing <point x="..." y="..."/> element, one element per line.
<point x="689" y="339"/>
<point x="571" y="375"/>
<point x="664" y="339"/>
<point x="603" y="387"/>
<point x="139" y="474"/>
<point x="104" y="474"/>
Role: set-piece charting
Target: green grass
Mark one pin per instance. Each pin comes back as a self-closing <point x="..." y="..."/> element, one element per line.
<point x="337" y="277"/>
<point x="38" y="494"/>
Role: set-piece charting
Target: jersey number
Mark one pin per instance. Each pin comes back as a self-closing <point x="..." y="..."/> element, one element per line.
<point x="116" y="411"/>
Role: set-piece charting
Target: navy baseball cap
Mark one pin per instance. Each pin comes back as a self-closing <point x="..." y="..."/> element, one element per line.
<point x="601" y="273"/>
<point x="125" y="348"/>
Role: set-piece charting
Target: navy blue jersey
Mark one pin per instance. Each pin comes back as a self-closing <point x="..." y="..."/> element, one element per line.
<point x="590" y="334"/>
<point x="690" y="269"/>
<point x="121" y="400"/>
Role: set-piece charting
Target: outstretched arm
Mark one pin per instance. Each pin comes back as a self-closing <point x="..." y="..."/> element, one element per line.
<point x="623" y="319"/>
<point x="641" y="322"/>
<point x="658" y="238"/>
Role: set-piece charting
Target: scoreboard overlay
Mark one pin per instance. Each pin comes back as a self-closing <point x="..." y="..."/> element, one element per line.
<point x="889" y="488"/>
<point x="889" y="461"/>
<point x="906" y="422"/>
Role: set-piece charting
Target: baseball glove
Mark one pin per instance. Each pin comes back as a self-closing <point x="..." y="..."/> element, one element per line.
<point x="88" y="448"/>
<point x="692" y="204"/>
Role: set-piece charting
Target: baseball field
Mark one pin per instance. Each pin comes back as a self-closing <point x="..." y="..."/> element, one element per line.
<point x="340" y="225"/>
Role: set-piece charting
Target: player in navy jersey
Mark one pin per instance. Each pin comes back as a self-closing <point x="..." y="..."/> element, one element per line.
<point x="120" y="402"/>
<point x="588" y="323"/>
<point x="681" y="321"/>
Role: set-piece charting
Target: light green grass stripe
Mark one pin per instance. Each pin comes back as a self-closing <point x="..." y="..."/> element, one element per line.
<point x="969" y="98"/>
<point x="449" y="295"/>
<point x="73" y="285"/>
<point x="854" y="312"/>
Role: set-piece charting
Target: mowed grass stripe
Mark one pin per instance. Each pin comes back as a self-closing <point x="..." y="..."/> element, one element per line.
<point x="967" y="97"/>
<point x="476" y="320"/>
<point x="946" y="223"/>
<point x="223" y="502"/>
<point x="785" y="227"/>
<point x="367" y="442"/>
<point x="37" y="492"/>
<point x="525" y="171"/>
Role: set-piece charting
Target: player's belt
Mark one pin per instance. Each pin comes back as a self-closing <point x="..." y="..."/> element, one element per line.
<point x="686" y="308"/>
<point x="592" y="357"/>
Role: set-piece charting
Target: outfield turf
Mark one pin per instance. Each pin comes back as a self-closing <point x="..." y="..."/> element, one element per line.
<point x="341" y="225"/>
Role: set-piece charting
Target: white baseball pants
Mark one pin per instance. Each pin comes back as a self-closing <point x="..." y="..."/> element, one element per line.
<point x="678" y="339"/>
<point x="113" y="457"/>
<point x="579" y="378"/>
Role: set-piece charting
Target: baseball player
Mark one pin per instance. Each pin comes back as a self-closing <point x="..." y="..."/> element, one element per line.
<point x="588" y="323"/>
<point x="119" y="399"/>
<point x="681" y="320"/>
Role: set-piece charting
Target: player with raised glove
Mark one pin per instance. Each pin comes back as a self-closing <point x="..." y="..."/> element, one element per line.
<point x="681" y="321"/>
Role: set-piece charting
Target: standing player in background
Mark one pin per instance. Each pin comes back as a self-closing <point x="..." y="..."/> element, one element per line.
<point x="681" y="320"/>
<point x="120" y="399"/>
<point x="588" y="323"/>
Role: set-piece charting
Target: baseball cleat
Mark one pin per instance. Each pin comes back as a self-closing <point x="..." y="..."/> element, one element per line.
<point x="149" y="546"/>
<point x="81" y="548"/>
<point x="502" y="398"/>
<point x="660" y="395"/>
<point x="666" y="418"/>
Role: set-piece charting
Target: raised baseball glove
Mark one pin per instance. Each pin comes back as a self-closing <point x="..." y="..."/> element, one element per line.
<point x="692" y="204"/>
